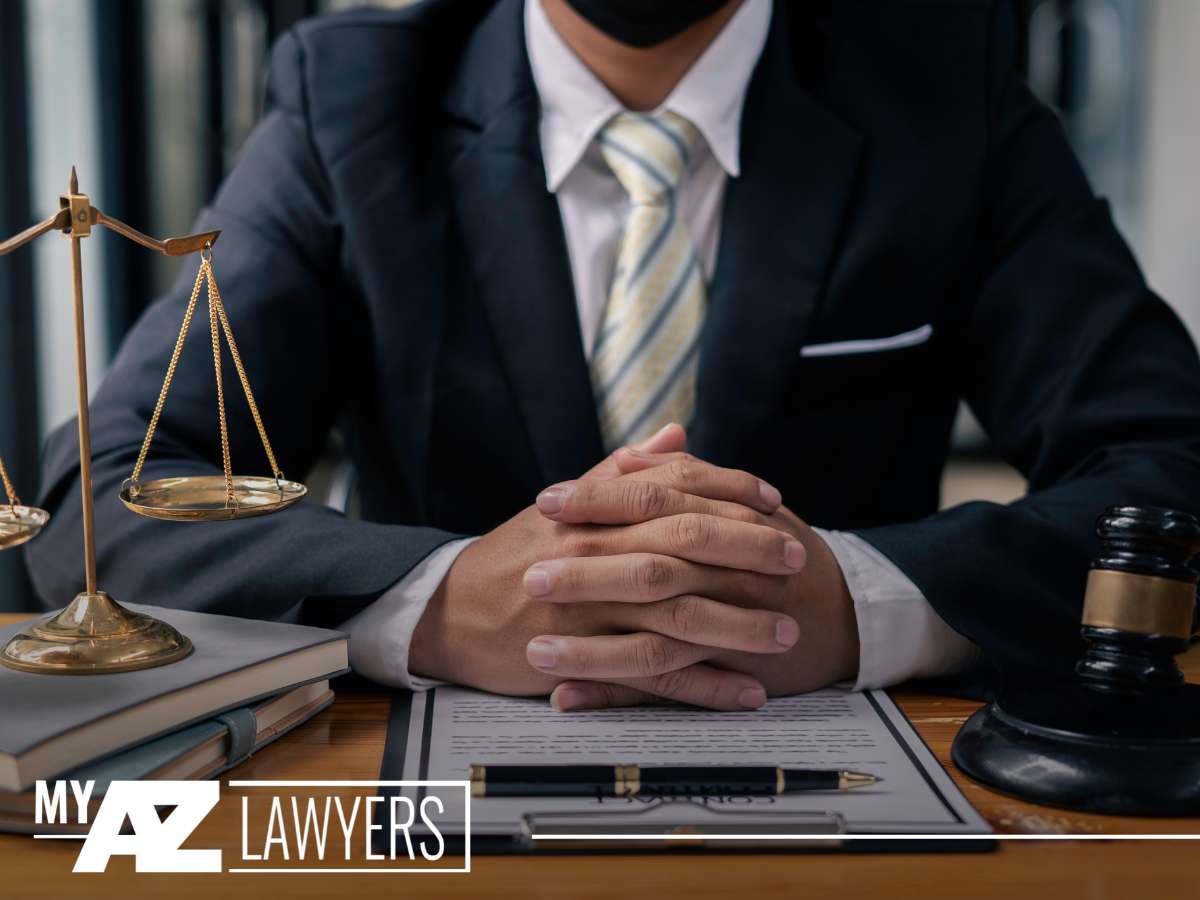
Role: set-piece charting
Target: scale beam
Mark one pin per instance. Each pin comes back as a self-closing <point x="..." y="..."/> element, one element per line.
<point x="61" y="221"/>
<point x="176" y="246"/>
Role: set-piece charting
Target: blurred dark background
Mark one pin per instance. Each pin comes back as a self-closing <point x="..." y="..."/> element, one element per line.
<point x="151" y="100"/>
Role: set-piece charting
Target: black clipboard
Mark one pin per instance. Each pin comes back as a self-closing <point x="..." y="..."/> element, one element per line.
<point x="552" y="833"/>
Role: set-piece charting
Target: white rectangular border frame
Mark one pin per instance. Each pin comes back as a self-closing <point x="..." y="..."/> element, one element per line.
<point x="465" y="869"/>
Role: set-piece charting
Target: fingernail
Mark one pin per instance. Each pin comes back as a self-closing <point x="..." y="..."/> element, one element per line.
<point x="787" y="632"/>
<point x="565" y="699"/>
<point x="539" y="580"/>
<point x="752" y="698"/>
<point x="770" y="495"/>
<point x="542" y="654"/>
<point x="640" y="454"/>
<point x="794" y="554"/>
<point x="554" y="498"/>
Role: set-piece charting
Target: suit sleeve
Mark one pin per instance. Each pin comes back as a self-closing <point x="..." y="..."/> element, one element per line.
<point x="1084" y="380"/>
<point x="295" y="320"/>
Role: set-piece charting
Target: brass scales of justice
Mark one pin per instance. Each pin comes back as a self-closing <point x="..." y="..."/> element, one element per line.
<point x="95" y="634"/>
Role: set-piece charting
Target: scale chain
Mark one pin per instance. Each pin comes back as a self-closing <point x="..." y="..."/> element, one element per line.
<point x="166" y="386"/>
<point x="13" y="500"/>
<point x="214" y="292"/>
<point x="216" y="313"/>
<point x="216" y="348"/>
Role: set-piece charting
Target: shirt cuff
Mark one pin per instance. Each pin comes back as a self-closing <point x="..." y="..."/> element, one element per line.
<point x="380" y="635"/>
<point x="900" y="636"/>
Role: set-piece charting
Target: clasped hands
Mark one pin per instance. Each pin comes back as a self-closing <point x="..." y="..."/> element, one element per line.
<point x="653" y="576"/>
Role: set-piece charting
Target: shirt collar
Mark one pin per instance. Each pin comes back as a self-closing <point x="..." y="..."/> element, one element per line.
<point x="576" y="105"/>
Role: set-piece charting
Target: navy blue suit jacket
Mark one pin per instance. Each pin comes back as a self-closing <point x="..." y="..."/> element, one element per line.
<point x="394" y="265"/>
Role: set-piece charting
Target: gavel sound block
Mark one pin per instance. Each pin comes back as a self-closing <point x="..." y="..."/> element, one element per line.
<point x="1122" y="736"/>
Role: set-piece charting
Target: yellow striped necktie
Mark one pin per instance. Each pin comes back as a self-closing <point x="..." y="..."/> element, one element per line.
<point x="644" y="360"/>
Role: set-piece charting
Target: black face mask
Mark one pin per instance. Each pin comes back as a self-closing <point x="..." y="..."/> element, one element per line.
<point x="644" y="23"/>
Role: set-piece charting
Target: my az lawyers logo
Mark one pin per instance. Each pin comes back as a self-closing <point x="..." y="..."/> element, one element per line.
<point x="284" y="829"/>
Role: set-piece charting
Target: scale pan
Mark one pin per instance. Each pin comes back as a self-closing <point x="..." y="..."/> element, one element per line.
<point x="202" y="498"/>
<point x="19" y="524"/>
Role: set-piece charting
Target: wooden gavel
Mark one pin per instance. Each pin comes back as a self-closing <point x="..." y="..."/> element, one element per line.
<point x="1140" y="607"/>
<point x="1122" y="735"/>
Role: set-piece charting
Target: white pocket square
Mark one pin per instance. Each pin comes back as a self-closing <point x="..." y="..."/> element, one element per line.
<point x="869" y="345"/>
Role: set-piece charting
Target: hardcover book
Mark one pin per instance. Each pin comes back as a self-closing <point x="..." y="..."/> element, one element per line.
<point x="50" y="724"/>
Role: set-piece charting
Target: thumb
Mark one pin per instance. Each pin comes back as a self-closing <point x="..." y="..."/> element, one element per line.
<point x="668" y="439"/>
<point x="569" y="696"/>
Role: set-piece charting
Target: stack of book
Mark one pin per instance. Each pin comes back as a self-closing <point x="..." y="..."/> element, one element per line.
<point x="246" y="683"/>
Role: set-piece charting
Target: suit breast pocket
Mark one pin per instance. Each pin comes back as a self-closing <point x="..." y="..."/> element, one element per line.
<point x="862" y="371"/>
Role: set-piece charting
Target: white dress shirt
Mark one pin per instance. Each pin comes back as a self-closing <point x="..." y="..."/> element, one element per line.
<point x="900" y="635"/>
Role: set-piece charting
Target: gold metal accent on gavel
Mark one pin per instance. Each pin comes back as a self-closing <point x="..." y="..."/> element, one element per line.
<point x="1142" y="604"/>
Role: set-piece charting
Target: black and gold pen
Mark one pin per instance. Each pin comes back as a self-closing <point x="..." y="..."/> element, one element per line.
<point x="656" y="781"/>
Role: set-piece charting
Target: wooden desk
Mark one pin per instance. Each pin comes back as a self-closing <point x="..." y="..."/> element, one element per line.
<point x="346" y="742"/>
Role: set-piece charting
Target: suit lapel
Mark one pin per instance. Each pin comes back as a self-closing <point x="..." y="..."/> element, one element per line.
<point x="514" y="240"/>
<point x="778" y="231"/>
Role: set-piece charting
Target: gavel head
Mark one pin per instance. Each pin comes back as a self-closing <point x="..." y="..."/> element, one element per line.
<point x="1140" y="606"/>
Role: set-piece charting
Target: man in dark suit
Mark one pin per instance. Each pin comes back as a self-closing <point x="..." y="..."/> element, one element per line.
<point x="494" y="241"/>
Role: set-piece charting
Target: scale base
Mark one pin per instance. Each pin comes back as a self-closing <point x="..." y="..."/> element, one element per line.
<point x="94" y="635"/>
<point x="1077" y="747"/>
